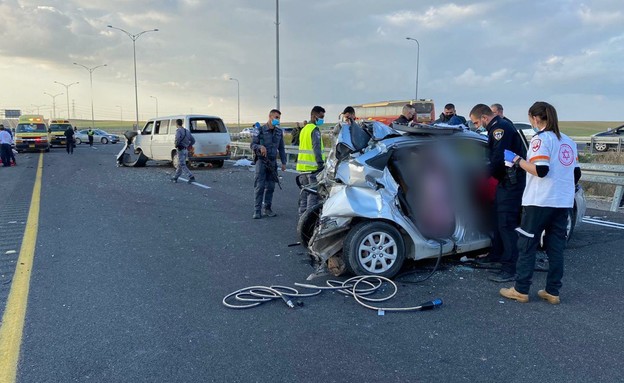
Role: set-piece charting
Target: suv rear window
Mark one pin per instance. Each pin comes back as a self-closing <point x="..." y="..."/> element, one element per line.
<point x="207" y="125"/>
<point x="30" y="128"/>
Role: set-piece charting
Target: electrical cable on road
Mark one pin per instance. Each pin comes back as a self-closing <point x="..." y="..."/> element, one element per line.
<point x="359" y="287"/>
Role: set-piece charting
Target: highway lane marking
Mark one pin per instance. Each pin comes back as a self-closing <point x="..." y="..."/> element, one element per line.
<point x="195" y="183"/>
<point x="599" y="222"/>
<point x="12" y="327"/>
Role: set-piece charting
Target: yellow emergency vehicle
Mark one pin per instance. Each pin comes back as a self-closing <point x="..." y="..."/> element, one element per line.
<point x="57" y="132"/>
<point x="32" y="134"/>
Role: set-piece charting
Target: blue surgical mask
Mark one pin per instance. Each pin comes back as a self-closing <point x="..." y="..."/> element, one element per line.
<point x="320" y="121"/>
<point x="275" y="122"/>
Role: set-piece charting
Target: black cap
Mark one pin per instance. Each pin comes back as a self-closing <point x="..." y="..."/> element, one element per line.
<point x="348" y="109"/>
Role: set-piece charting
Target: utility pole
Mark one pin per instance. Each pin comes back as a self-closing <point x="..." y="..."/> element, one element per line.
<point x="277" y="93"/>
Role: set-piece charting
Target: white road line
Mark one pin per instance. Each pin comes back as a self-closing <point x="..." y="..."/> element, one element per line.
<point x="592" y="221"/>
<point x="195" y="183"/>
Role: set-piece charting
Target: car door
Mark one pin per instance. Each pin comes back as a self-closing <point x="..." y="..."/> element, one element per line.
<point x="161" y="142"/>
<point x="143" y="141"/>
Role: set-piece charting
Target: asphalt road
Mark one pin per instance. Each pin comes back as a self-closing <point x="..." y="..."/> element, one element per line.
<point x="130" y="270"/>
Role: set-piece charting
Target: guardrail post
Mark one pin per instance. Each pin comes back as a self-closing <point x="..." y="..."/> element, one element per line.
<point x="619" y="145"/>
<point x="591" y="145"/>
<point x="617" y="197"/>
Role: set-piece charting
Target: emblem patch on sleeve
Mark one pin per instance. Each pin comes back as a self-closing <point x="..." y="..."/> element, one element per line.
<point x="536" y="144"/>
<point x="498" y="134"/>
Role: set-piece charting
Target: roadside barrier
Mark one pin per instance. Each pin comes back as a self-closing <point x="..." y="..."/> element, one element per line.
<point x="606" y="174"/>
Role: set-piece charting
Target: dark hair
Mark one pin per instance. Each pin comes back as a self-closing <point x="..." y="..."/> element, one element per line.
<point x="348" y="109"/>
<point x="179" y="122"/>
<point x="481" y="110"/>
<point x="275" y="111"/>
<point x="546" y="112"/>
<point x="497" y="106"/>
<point x="449" y="106"/>
<point x="318" y="109"/>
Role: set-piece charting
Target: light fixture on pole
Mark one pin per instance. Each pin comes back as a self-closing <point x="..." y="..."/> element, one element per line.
<point x="238" y="97"/>
<point x="277" y="77"/>
<point x="91" y="82"/>
<point x="156" y="98"/>
<point x="136" y="91"/>
<point x="67" y="93"/>
<point x="120" y="113"/>
<point x="417" y="62"/>
<point x="38" y="106"/>
<point x="53" y="102"/>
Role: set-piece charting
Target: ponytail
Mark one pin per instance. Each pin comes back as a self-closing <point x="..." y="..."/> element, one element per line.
<point x="548" y="113"/>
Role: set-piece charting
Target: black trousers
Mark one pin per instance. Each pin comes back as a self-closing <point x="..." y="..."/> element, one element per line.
<point x="506" y="219"/>
<point x="535" y="220"/>
<point x="69" y="145"/>
<point x="90" y="140"/>
<point x="5" y="152"/>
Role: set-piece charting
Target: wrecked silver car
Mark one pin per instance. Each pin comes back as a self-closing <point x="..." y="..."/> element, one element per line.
<point x="394" y="193"/>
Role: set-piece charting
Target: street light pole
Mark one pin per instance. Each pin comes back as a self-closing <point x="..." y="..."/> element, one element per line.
<point x="37" y="106"/>
<point x="238" y="97"/>
<point x="91" y="82"/>
<point x="156" y="98"/>
<point x="120" y="113"/>
<point x="53" y="103"/>
<point x="277" y="94"/>
<point x="67" y="93"/>
<point x="417" y="61"/>
<point x="136" y="91"/>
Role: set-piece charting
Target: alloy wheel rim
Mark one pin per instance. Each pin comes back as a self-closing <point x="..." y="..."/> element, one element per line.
<point x="377" y="252"/>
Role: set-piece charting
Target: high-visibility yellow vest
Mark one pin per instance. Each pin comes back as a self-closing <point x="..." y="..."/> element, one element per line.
<point x="306" y="162"/>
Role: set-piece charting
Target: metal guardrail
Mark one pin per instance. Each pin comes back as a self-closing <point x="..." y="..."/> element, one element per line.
<point x="606" y="174"/>
<point x="239" y="149"/>
<point x="595" y="143"/>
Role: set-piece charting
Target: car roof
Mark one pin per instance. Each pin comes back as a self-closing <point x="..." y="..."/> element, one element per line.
<point x="183" y="116"/>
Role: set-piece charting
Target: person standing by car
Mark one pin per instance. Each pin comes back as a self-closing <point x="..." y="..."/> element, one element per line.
<point x="295" y="135"/>
<point x="407" y="114"/>
<point x="450" y="116"/>
<point x="552" y="173"/>
<point x="267" y="142"/>
<point x="511" y="181"/>
<point x="5" y="146"/>
<point x="183" y="139"/>
<point x="69" y="140"/>
<point x="498" y="109"/>
<point x="311" y="158"/>
<point x="90" y="134"/>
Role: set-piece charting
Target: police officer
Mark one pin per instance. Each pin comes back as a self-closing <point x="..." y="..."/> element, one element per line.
<point x="407" y="114"/>
<point x="552" y="173"/>
<point x="511" y="181"/>
<point x="183" y="140"/>
<point x="267" y="142"/>
<point x="311" y="158"/>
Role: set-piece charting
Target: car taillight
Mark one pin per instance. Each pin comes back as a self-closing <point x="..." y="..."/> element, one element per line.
<point x="227" y="149"/>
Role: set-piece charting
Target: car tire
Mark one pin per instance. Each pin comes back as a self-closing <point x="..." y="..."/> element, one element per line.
<point x="601" y="147"/>
<point x="385" y="241"/>
<point x="104" y="140"/>
<point x="217" y="164"/>
<point x="47" y="150"/>
<point x="138" y="160"/>
<point x="571" y="224"/>
<point x="78" y="141"/>
<point x="307" y="222"/>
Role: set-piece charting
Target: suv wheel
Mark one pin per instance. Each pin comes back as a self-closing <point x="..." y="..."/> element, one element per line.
<point x="374" y="248"/>
<point x="600" y="147"/>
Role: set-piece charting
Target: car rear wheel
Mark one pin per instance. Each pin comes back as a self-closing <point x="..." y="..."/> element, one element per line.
<point x="374" y="248"/>
<point x="78" y="141"/>
<point x="104" y="140"/>
<point x="307" y="223"/>
<point x="600" y="147"/>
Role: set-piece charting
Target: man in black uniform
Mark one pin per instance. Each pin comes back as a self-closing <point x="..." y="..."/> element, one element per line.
<point x="69" y="140"/>
<point x="268" y="142"/>
<point x="511" y="181"/>
<point x="407" y="114"/>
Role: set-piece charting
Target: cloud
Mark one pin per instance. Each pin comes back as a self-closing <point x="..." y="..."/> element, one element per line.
<point x="600" y="18"/>
<point x="436" y="16"/>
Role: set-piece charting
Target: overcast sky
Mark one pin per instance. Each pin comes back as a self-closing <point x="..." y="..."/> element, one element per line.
<point x="332" y="53"/>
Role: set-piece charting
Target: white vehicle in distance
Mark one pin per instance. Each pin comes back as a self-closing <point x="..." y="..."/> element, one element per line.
<point x="156" y="141"/>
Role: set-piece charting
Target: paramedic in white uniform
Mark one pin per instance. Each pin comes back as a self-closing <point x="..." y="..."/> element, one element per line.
<point x="552" y="173"/>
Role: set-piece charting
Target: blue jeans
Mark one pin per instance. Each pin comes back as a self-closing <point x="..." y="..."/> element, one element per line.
<point x="535" y="220"/>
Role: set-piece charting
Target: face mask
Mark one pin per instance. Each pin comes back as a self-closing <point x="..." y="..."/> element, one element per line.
<point x="275" y="122"/>
<point x="319" y="121"/>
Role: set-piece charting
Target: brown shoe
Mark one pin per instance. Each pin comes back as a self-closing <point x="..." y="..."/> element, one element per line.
<point x="511" y="293"/>
<point x="552" y="299"/>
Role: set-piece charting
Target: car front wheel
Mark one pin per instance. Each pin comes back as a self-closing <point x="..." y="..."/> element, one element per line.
<point x="78" y="141"/>
<point x="374" y="248"/>
<point x="104" y="140"/>
<point x="600" y="147"/>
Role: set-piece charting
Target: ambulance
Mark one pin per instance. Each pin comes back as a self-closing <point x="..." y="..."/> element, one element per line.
<point x="57" y="132"/>
<point x="32" y="134"/>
